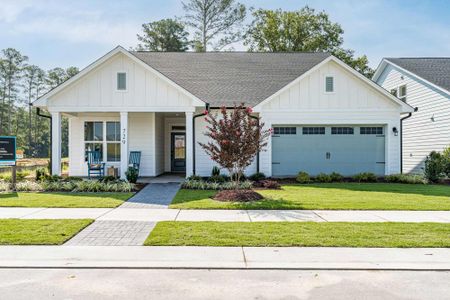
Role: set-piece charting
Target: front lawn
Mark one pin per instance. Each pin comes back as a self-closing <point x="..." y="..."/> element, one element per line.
<point x="63" y="199"/>
<point x="302" y="234"/>
<point x="39" y="232"/>
<point x="334" y="196"/>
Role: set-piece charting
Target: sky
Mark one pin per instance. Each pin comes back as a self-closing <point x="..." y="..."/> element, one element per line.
<point x="63" y="33"/>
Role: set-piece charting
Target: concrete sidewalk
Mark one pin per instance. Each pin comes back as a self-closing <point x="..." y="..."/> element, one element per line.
<point x="155" y="215"/>
<point x="224" y="258"/>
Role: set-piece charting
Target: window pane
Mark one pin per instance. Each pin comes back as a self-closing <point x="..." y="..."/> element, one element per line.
<point x="329" y="84"/>
<point x="179" y="147"/>
<point x="98" y="131"/>
<point x="113" y="151"/>
<point x="113" y="131"/>
<point x="121" y="81"/>
<point x="88" y="131"/>
<point x="93" y="147"/>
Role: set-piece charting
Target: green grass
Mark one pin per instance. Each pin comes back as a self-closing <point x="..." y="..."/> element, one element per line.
<point x="63" y="199"/>
<point x="304" y="234"/>
<point x="39" y="232"/>
<point x="333" y="196"/>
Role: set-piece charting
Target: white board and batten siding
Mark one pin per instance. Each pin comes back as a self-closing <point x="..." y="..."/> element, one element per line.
<point x="353" y="102"/>
<point x="141" y="138"/>
<point x="97" y="91"/>
<point x="203" y="163"/>
<point x="426" y="130"/>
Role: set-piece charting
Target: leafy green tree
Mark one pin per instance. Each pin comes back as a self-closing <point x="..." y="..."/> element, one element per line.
<point x="302" y="30"/>
<point x="11" y="67"/>
<point x="216" y="23"/>
<point x="163" y="35"/>
<point x="33" y="82"/>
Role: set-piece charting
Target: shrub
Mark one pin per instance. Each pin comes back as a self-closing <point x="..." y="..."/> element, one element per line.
<point x="72" y="179"/>
<point x="405" y="178"/>
<point x="336" y="177"/>
<point x="204" y="185"/>
<point x="446" y="158"/>
<point x="28" y="186"/>
<point x="107" y="179"/>
<point x="271" y="184"/>
<point x="303" y="177"/>
<point x="215" y="171"/>
<point x="41" y="173"/>
<point x="234" y="176"/>
<point x="217" y="178"/>
<point x="257" y="176"/>
<point x="434" y="167"/>
<point x="322" y="177"/>
<point x="4" y="186"/>
<point x="365" y="177"/>
<point x="132" y="174"/>
<point x="194" y="177"/>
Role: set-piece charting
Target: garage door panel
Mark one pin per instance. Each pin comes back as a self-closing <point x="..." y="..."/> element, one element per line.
<point x="347" y="154"/>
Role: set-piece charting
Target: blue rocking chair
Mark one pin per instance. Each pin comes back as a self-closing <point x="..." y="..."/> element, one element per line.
<point x="95" y="165"/>
<point x="135" y="160"/>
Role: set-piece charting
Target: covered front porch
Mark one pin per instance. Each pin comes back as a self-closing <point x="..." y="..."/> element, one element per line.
<point x="164" y="139"/>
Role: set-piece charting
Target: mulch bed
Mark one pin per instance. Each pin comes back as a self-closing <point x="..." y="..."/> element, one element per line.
<point x="238" y="195"/>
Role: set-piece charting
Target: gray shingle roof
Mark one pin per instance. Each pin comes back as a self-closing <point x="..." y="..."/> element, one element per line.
<point x="435" y="70"/>
<point x="228" y="78"/>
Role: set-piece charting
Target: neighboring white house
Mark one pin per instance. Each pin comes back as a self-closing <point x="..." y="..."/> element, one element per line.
<point x="326" y="116"/>
<point x="423" y="83"/>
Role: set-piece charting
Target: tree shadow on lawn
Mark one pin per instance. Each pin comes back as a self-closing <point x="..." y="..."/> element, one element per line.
<point x="398" y="188"/>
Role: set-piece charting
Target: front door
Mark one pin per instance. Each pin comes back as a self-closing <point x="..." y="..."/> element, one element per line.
<point x="178" y="150"/>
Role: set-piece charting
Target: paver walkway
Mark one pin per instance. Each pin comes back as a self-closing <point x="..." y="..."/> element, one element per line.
<point x="154" y="195"/>
<point x="131" y="231"/>
<point x="113" y="233"/>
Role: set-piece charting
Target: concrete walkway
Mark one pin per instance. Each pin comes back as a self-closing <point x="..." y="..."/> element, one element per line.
<point x="155" y="215"/>
<point x="225" y="258"/>
<point x="153" y="195"/>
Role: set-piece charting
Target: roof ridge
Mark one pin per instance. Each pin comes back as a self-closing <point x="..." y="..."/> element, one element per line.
<point x="232" y="52"/>
<point x="424" y="57"/>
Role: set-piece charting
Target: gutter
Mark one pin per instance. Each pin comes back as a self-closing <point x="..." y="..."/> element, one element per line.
<point x="401" y="138"/>
<point x="38" y="112"/>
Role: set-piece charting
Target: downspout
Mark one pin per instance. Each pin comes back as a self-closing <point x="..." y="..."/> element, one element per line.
<point x="257" y="155"/>
<point x="193" y="136"/>
<point x="401" y="138"/>
<point x="38" y="112"/>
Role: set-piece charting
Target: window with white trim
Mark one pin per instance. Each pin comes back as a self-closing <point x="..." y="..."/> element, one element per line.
<point x="285" y="130"/>
<point x="313" y="130"/>
<point x="342" y="130"/>
<point x="96" y="140"/>
<point x="121" y="81"/>
<point x="329" y="84"/>
<point x="371" y="130"/>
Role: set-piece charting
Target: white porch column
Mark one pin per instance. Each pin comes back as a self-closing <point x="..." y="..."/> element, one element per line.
<point x="123" y="144"/>
<point x="56" y="143"/>
<point x="189" y="144"/>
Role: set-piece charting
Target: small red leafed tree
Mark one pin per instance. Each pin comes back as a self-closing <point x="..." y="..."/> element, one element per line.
<point x="235" y="139"/>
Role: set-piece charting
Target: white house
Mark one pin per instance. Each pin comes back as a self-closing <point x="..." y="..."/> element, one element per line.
<point x="423" y="83"/>
<point x="326" y="116"/>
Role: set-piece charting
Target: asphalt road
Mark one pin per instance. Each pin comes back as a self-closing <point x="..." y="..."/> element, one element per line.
<point x="221" y="284"/>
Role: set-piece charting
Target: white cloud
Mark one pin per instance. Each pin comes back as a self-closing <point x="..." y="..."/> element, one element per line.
<point x="11" y="9"/>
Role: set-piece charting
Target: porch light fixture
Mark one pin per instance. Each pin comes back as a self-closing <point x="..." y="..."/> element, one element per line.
<point x="395" y="131"/>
